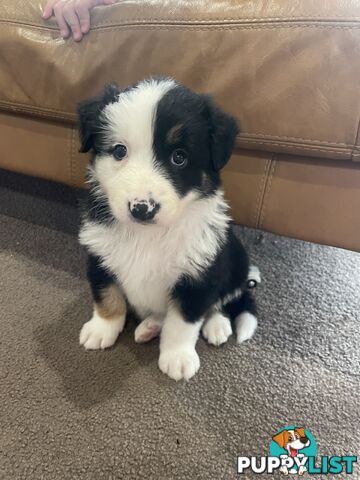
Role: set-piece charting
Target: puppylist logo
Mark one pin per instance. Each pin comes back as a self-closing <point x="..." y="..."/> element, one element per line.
<point x="293" y="450"/>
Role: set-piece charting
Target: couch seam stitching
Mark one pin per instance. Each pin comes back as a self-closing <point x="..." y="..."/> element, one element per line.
<point x="239" y="20"/>
<point x="268" y="135"/>
<point x="333" y="18"/>
<point x="355" y="153"/>
<point x="302" y="18"/>
<point x="224" y="27"/>
<point x="73" y="165"/>
<point x="260" y="194"/>
<point x="309" y="148"/>
<point x="168" y="26"/>
<point x="69" y="155"/>
<point x="267" y="191"/>
<point x="42" y="110"/>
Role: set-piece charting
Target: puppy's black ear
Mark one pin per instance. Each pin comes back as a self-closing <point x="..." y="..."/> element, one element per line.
<point x="223" y="132"/>
<point x="89" y="113"/>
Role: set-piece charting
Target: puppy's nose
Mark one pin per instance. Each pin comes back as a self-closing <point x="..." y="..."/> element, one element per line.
<point x="144" y="210"/>
<point x="303" y="440"/>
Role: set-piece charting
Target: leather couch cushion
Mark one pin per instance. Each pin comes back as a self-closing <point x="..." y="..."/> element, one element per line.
<point x="312" y="199"/>
<point x="289" y="70"/>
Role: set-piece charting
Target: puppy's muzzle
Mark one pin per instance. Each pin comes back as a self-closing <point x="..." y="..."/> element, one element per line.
<point x="143" y="210"/>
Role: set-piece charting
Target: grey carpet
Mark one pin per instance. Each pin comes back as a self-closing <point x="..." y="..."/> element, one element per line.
<point x="70" y="414"/>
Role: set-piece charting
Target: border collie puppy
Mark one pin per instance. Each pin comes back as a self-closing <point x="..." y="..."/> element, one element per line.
<point x="156" y="227"/>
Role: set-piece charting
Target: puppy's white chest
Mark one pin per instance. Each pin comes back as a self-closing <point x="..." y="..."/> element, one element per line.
<point x="148" y="261"/>
<point x="145" y="276"/>
<point x="146" y="266"/>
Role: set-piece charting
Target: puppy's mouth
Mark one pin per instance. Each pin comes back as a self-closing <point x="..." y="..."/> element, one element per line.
<point x="142" y="222"/>
<point x="293" y="452"/>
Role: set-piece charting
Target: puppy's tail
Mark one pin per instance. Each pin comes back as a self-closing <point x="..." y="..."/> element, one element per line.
<point x="242" y="310"/>
<point x="254" y="276"/>
<point x="245" y="320"/>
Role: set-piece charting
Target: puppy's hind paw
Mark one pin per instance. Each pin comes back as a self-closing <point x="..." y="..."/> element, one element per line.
<point x="217" y="329"/>
<point x="245" y="324"/>
<point x="148" y="329"/>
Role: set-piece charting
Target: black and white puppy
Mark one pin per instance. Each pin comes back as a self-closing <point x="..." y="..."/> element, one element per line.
<point x="156" y="226"/>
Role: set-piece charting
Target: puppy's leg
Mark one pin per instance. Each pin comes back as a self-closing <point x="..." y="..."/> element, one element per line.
<point x="109" y="315"/>
<point x="217" y="328"/>
<point x="178" y="357"/>
<point x="107" y="322"/>
<point x="148" y="329"/>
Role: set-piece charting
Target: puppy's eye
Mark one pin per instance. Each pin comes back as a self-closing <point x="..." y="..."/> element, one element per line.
<point x="119" y="151"/>
<point x="179" y="158"/>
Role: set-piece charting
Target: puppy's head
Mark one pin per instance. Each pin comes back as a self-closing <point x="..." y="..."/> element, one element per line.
<point x="293" y="440"/>
<point x="157" y="148"/>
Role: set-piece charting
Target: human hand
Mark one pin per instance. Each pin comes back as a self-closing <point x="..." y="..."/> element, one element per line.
<point x="72" y="16"/>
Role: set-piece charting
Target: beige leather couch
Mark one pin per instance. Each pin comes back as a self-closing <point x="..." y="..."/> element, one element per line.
<point x="289" y="70"/>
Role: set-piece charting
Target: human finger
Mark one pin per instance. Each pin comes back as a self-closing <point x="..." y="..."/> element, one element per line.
<point x="59" y="15"/>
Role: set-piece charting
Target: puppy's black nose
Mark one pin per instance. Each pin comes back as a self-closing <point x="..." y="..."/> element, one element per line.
<point x="144" y="210"/>
<point x="303" y="440"/>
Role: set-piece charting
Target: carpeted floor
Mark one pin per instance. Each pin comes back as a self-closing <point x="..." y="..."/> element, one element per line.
<point x="70" y="414"/>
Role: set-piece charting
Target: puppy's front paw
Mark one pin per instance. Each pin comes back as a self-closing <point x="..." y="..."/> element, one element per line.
<point x="148" y="329"/>
<point x="178" y="364"/>
<point x="217" y="329"/>
<point x="100" y="333"/>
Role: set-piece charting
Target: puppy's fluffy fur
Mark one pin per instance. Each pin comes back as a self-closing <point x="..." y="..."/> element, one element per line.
<point x="156" y="226"/>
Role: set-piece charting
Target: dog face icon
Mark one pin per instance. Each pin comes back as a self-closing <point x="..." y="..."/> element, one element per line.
<point x="292" y="440"/>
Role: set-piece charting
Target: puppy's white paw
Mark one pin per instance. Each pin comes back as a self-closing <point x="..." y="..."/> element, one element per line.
<point x="246" y="324"/>
<point x="148" y="329"/>
<point x="217" y="329"/>
<point x="100" y="333"/>
<point x="179" y="364"/>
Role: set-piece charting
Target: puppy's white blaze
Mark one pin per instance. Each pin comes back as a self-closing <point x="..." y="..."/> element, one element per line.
<point x="131" y="117"/>
<point x="245" y="325"/>
<point x="130" y="121"/>
<point x="149" y="259"/>
<point x="136" y="178"/>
